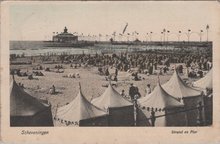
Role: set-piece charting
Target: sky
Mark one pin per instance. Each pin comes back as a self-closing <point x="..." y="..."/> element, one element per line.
<point x="38" y="21"/>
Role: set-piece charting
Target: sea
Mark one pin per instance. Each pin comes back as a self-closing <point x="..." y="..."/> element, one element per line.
<point x="36" y="48"/>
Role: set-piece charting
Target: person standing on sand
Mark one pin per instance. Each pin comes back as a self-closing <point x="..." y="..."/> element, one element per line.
<point x="115" y="78"/>
<point x="123" y="93"/>
<point x="148" y="89"/>
<point x="106" y="72"/>
<point x="52" y="90"/>
<point x="22" y="86"/>
<point x="132" y="91"/>
<point x="116" y="72"/>
<point x="137" y="93"/>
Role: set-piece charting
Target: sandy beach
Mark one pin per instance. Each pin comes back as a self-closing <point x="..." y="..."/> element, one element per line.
<point x="92" y="83"/>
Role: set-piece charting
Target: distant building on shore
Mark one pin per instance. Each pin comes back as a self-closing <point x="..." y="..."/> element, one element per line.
<point x="65" y="37"/>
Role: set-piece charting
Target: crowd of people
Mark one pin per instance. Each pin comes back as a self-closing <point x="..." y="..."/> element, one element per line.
<point x="143" y="62"/>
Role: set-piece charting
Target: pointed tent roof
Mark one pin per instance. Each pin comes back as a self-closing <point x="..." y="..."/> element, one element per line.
<point x="205" y="82"/>
<point x="110" y="99"/>
<point x="159" y="98"/>
<point x="79" y="109"/>
<point x="177" y="88"/>
<point x="23" y="104"/>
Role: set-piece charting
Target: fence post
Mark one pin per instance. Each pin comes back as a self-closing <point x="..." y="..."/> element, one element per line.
<point x="153" y="118"/>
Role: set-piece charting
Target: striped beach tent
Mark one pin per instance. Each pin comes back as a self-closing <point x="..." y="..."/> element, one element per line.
<point x="191" y="97"/>
<point x="165" y="106"/>
<point x="80" y="112"/>
<point x="178" y="88"/>
<point x="121" y="111"/>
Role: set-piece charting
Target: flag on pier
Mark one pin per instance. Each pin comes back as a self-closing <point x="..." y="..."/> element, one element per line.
<point x="125" y="28"/>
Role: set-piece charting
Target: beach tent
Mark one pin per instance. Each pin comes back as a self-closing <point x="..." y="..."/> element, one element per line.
<point x="191" y="97"/>
<point x="80" y="112"/>
<point x="141" y="118"/>
<point x="205" y="82"/>
<point x="177" y="87"/>
<point x="26" y="110"/>
<point x="166" y="107"/>
<point x="121" y="111"/>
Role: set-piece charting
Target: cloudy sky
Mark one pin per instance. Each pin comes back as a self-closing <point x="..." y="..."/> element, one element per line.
<point x="38" y="21"/>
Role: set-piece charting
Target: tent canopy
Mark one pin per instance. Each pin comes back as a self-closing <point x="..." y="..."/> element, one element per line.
<point x="177" y="88"/>
<point x="23" y="104"/>
<point x="79" y="109"/>
<point x="110" y="99"/>
<point x="159" y="98"/>
<point x="205" y="82"/>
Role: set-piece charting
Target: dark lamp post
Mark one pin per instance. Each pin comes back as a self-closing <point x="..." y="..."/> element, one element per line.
<point x="207" y="29"/>
<point x="151" y="36"/>
<point x="188" y="34"/>
<point x="179" y="34"/>
<point x="164" y="31"/>
<point x="200" y="35"/>
<point x="168" y="35"/>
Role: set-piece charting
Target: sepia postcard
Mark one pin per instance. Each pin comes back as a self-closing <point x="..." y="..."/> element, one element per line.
<point x="93" y="72"/>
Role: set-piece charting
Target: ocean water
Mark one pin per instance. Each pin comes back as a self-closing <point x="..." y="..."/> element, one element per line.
<point x="49" y="51"/>
<point x="37" y="48"/>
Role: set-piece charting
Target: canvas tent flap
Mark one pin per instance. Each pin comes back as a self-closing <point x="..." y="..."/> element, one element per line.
<point x="79" y="109"/>
<point x="23" y="104"/>
<point x="177" y="88"/>
<point x="159" y="99"/>
<point x="205" y="82"/>
<point x="110" y="99"/>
